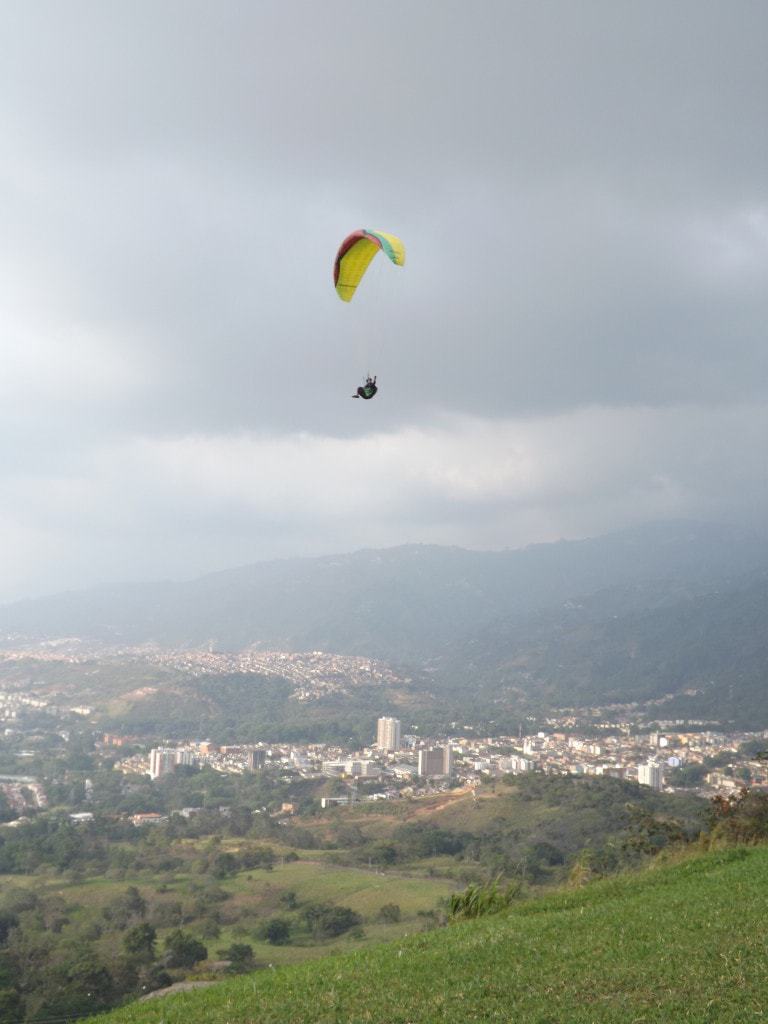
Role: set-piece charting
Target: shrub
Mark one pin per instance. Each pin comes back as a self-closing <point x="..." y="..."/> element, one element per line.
<point x="277" y="931"/>
<point x="742" y="818"/>
<point x="390" y="913"/>
<point x="479" y="900"/>
<point x="183" y="949"/>
<point x="139" y="942"/>
<point x="327" y="921"/>
<point x="240" y="955"/>
<point x="289" y="899"/>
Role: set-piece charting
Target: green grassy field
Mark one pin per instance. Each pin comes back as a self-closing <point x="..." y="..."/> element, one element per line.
<point x="361" y="890"/>
<point x="253" y="897"/>
<point x="683" y="942"/>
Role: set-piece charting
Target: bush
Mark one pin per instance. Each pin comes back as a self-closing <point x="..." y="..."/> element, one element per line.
<point x="139" y="942"/>
<point x="167" y="914"/>
<point x="277" y="931"/>
<point x="289" y="899"/>
<point x="240" y="955"/>
<point x="260" y="857"/>
<point x="183" y="949"/>
<point x="327" y="921"/>
<point x="209" y="928"/>
<point x="479" y="900"/>
<point x="154" y="976"/>
<point x="742" y="818"/>
<point x="224" y="865"/>
<point x="390" y="913"/>
<point x="124" y="909"/>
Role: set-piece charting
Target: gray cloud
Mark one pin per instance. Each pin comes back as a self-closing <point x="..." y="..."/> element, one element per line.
<point x="582" y="191"/>
<point x="197" y="503"/>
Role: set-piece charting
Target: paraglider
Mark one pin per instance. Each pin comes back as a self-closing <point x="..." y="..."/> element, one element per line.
<point x="352" y="261"/>
<point x="368" y="390"/>
<point x="355" y="254"/>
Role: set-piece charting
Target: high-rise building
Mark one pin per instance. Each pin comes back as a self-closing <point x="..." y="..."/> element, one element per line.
<point x="650" y="775"/>
<point x="388" y="734"/>
<point x="162" y="760"/>
<point x="435" y="761"/>
<point x="256" y="760"/>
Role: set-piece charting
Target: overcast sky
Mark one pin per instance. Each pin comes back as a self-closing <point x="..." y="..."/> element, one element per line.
<point x="578" y="341"/>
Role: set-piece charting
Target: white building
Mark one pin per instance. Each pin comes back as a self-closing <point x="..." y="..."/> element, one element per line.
<point x="532" y="744"/>
<point x="388" y="734"/>
<point x="650" y="775"/>
<point x="516" y="764"/>
<point x="81" y="818"/>
<point x="355" y="767"/>
<point x="163" y="760"/>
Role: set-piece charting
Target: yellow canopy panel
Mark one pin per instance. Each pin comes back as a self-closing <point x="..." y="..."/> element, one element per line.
<point x="355" y="254"/>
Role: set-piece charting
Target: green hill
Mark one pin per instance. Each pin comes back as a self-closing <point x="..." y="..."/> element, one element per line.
<point x="679" y="942"/>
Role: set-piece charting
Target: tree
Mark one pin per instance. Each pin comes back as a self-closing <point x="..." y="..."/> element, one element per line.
<point x="742" y="818"/>
<point x="124" y="908"/>
<point x="289" y="899"/>
<point x="139" y="942"/>
<point x="648" y="834"/>
<point x="261" y="857"/>
<point x="7" y="813"/>
<point x="11" y="1008"/>
<point x="167" y="914"/>
<point x="381" y="853"/>
<point x="154" y="976"/>
<point x="277" y="931"/>
<point x="240" y="821"/>
<point x="390" y="913"/>
<point x="240" y="955"/>
<point x="327" y="921"/>
<point x="183" y="949"/>
<point x="7" y="921"/>
<point x="209" y="928"/>
<point x="224" y="864"/>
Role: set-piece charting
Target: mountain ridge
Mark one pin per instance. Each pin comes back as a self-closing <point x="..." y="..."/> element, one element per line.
<point x="636" y="615"/>
<point x="340" y="602"/>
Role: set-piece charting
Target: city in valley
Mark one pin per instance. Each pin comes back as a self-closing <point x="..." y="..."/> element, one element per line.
<point x="399" y="761"/>
<point x="410" y="765"/>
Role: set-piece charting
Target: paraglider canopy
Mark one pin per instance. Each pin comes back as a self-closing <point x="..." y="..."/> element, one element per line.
<point x="355" y="254"/>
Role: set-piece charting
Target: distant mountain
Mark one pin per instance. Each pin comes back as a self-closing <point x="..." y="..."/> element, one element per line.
<point x="407" y="604"/>
<point x="699" y="655"/>
<point x="676" y="612"/>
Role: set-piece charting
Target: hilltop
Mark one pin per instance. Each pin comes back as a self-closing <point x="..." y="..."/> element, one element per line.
<point x="683" y="942"/>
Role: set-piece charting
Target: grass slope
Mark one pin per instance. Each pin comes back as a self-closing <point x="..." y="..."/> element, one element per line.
<point x="685" y="942"/>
